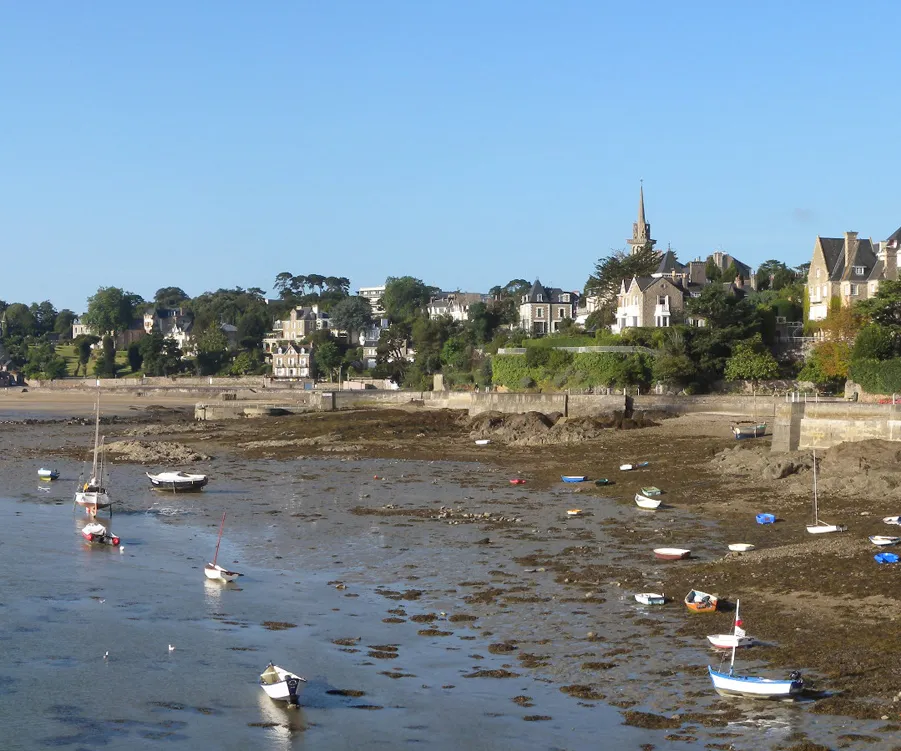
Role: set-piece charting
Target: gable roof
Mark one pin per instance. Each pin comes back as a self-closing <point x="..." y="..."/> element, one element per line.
<point x="895" y="238"/>
<point x="864" y="256"/>
<point x="541" y="294"/>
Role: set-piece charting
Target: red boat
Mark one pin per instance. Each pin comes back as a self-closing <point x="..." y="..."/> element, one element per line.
<point x="97" y="533"/>
<point x="517" y="481"/>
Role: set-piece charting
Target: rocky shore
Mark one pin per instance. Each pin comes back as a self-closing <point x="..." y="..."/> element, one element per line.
<point x="555" y="593"/>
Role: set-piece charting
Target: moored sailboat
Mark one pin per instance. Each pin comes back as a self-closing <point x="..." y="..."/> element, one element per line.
<point x="92" y="495"/>
<point x="215" y="571"/>
<point x="818" y="527"/>
<point x="729" y="684"/>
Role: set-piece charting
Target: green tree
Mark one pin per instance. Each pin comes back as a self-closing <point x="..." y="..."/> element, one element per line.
<point x="252" y="326"/>
<point x="405" y="297"/>
<point x="610" y="271"/>
<point x="751" y="361"/>
<point x="327" y="357"/>
<point x="162" y="356"/>
<point x="20" y="321"/>
<point x="352" y="314"/>
<point x="875" y="342"/>
<point x="83" y="348"/>
<point x="135" y="358"/>
<point x="170" y="297"/>
<point x="391" y="351"/>
<point x="105" y="364"/>
<point x="111" y="310"/>
<point x="44" y="363"/>
<point x="774" y="275"/>
<point x="884" y="307"/>
<point x="211" y="346"/>
<point x="247" y="363"/>
<point x="63" y="325"/>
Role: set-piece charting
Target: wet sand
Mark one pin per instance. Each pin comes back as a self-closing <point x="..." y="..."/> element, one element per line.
<point x="396" y="503"/>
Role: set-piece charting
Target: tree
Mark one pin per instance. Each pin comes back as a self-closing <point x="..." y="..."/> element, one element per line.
<point x="211" y="346"/>
<point x="44" y="316"/>
<point x="63" y="325"/>
<point x="44" y="363"/>
<point x="327" y="357"/>
<point x="252" y="326"/>
<point x="774" y="275"/>
<point x="751" y="361"/>
<point x="352" y="314"/>
<point x="405" y="297"/>
<point x="610" y="272"/>
<point x="111" y="310"/>
<point x="391" y="351"/>
<point x="105" y="365"/>
<point x="484" y="321"/>
<point x="161" y="356"/>
<point x="170" y="297"/>
<point x="883" y="308"/>
<point x="874" y="342"/>
<point x="283" y="283"/>
<point x="827" y="364"/>
<point x="135" y="358"/>
<point x="20" y="321"/>
<point x="83" y="348"/>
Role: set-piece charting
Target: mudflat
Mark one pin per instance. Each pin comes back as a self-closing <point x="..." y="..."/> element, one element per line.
<point x="555" y="592"/>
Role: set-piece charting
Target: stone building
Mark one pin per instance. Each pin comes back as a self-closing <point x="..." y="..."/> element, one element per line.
<point x="848" y="269"/>
<point x="542" y="309"/>
<point x="648" y="301"/>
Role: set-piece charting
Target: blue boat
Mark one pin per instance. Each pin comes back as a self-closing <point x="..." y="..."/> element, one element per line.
<point x="885" y="558"/>
<point x="766" y="518"/>
<point x="573" y="478"/>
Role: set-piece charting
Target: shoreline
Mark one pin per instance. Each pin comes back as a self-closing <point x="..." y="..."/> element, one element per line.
<point x="571" y="577"/>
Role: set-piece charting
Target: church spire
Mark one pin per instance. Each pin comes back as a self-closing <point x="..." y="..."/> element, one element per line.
<point x="641" y="230"/>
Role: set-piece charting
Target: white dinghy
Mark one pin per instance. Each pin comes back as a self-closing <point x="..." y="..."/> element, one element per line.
<point x="642" y="501"/>
<point x="650" y="598"/>
<point x="177" y="482"/>
<point x="884" y="540"/>
<point x="280" y="684"/>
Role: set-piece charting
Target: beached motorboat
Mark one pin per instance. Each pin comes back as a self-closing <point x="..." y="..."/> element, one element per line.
<point x="650" y="598"/>
<point x="671" y="554"/>
<point x="651" y="490"/>
<point x="92" y="495"/>
<point x="280" y="684"/>
<point x="818" y="527"/>
<point x="748" y="430"/>
<point x="97" y="533"/>
<point x="177" y="482"/>
<point x="729" y="684"/>
<point x="644" y="502"/>
<point x="701" y="602"/>
<point x="741" y="547"/>
<point x="48" y="474"/>
<point x="213" y="570"/>
<point x="573" y="478"/>
<point x="892" y="519"/>
<point x="884" y="540"/>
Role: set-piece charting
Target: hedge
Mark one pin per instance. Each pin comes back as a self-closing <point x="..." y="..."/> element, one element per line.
<point x="560" y="369"/>
<point x="877" y="376"/>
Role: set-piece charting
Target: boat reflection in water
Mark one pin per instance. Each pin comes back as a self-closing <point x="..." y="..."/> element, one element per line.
<point x="282" y="722"/>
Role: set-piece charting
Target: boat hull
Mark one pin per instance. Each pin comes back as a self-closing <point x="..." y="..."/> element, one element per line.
<point x="822" y="529"/>
<point x="48" y="474"/>
<point x="749" y="431"/>
<point x="727" y="641"/>
<point x="671" y="554"/>
<point x="645" y="502"/>
<point x="217" y="573"/>
<point x="573" y="478"/>
<point x="281" y="685"/>
<point x="650" y="598"/>
<point x="757" y="688"/>
<point x="701" y="602"/>
<point x="883" y="540"/>
<point x="741" y="547"/>
<point x="186" y="484"/>
<point x="91" y="500"/>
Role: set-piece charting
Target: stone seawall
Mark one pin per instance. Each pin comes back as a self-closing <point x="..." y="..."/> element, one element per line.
<point x="822" y="425"/>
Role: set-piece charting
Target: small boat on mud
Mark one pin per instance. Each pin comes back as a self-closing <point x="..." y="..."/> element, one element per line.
<point x="626" y="467"/>
<point x="48" y="474"/>
<point x="574" y="512"/>
<point x="729" y="684"/>
<point x="96" y="533"/>
<point x="177" y="482"/>
<point x="517" y="481"/>
<point x="651" y="490"/>
<point x="741" y="547"/>
<point x="884" y="540"/>
<point x="701" y="602"/>
<point x="671" y="554"/>
<point x="280" y="684"/>
<point x="818" y="527"/>
<point x="892" y="519"/>
<point x="483" y="442"/>
<point x="738" y="638"/>
<point x="743" y="430"/>
<point x="602" y="481"/>
<point x="213" y="570"/>
<point x="644" y="502"/>
<point x="573" y="478"/>
<point x="650" y="598"/>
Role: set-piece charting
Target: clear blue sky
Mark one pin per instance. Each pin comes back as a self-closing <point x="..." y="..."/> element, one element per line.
<point x="213" y="144"/>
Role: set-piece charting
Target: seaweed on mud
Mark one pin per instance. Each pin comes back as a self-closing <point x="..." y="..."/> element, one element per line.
<point x="537" y="717"/>
<point x="278" y="625"/>
<point x="492" y="674"/>
<point x="523" y="701"/>
<point x="379" y="655"/>
<point x="650" y="720"/>
<point x="598" y="665"/>
<point x="393" y="620"/>
<point x="580" y="691"/>
<point x="462" y="618"/>
<point x="424" y="618"/>
<point x="348" y="641"/>
<point x="434" y="632"/>
<point x="396" y="674"/>
<point x="503" y="647"/>
<point x="345" y="692"/>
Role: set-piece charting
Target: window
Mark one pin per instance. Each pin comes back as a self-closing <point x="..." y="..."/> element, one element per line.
<point x="859" y="270"/>
<point x="818" y="274"/>
<point x="539" y="313"/>
<point x="539" y="298"/>
<point x="854" y="289"/>
<point x="561" y="313"/>
<point x="564" y="297"/>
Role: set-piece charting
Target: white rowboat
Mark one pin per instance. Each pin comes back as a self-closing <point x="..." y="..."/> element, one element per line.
<point x="650" y="598"/>
<point x="177" y="482"/>
<point x="727" y="641"/>
<point x="642" y="501"/>
<point x="884" y="540"/>
<point x="892" y="519"/>
<point x="482" y="442"/>
<point x="741" y="547"/>
<point x="626" y="467"/>
<point x="280" y="684"/>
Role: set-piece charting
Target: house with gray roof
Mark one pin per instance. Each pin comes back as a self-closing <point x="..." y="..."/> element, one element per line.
<point x="848" y="269"/>
<point x="542" y="309"/>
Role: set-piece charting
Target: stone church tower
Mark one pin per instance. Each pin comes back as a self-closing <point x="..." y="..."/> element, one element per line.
<point x="641" y="230"/>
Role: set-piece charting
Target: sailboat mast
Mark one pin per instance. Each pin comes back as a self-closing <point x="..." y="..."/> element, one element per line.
<point x="221" y="525"/>
<point x="96" y="438"/>
<point x="816" y="509"/>
<point x="735" y="639"/>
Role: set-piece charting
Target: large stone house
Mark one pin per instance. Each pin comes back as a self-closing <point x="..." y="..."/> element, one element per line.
<point x="297" y="326"/>
<point x="848" y="269"/>
<point x="292" y="360"/>
<point x="542" y="309"/>
<point x="648" y="301"/>
<point x="454" y="304"/>
<point x="373" y="295"/>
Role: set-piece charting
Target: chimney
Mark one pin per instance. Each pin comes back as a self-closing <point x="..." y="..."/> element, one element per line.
<point x="850" y="248"/>
<point x="888" y="254"/>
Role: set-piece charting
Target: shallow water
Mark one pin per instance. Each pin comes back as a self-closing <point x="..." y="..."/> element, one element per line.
<point x="64" y="604"/>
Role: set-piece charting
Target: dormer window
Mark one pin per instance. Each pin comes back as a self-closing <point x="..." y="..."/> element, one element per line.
<point x="539" y="298"/>
<point x="564" y="298"/>
<point x="859" y="270"/>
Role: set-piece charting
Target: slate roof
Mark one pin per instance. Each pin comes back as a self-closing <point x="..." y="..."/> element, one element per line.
<point x="895" y="238"/>
<point x="669" y="264"/>
<point x="541" y="294"/>
<point x="865" y="256"/>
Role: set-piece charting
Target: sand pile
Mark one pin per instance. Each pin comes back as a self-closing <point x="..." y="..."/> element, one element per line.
<point x="538" y="429"/>
<point x="161" y="452"/>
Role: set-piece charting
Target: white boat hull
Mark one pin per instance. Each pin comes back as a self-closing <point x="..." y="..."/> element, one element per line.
<point x="92" y="500"/>
<point x="177" y="482"/>
<point x="760" y="688"/>
<point x="650" y="598"/>
<point x="727" y="641"/>
<point x="883" y="540"/>
<point x="217" y="573"/>
<point x="642" y="501"/>
<point x="281" y="685"/>
<point x="741" y="547"/>
<point x="822" y="529"/>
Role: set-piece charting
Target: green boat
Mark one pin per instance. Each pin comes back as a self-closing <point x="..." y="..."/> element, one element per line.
<point x="603" y="481"/>
<point x="651" y="491"/>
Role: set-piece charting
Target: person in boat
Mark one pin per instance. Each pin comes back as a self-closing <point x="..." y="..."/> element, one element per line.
<point x="93" y="486"/>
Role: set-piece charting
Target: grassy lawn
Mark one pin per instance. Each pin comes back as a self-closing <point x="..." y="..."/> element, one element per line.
<point x="68" y="353"/>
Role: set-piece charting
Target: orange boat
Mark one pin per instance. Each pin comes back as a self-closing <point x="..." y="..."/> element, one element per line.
<point x="517" y="481"/>
<point x="700" y="602"/>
